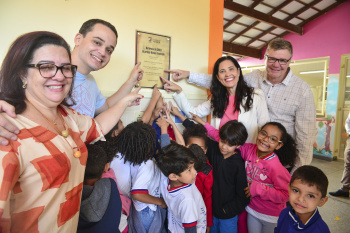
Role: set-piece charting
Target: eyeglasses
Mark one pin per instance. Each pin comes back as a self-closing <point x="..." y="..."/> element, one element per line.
<point x="281" y="61"/>
<point x="50" y="70"/>
<point x="271" y="139"/>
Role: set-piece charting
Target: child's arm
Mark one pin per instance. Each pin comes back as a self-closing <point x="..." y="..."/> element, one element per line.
<point x="207" y="197"/>
<point x="175" y="111"/>
<point x="185" y="121"/>
<point x="179" y="139"/>
<point x="279" y="177"/>
<point x="212" y="132"/>
<point x="145" y="178"/>
<point x="146" y="198"/>
<point x="191" y="229"/>
<point x="240" y="182"/>
<point x="147" y="115"/>
<point x="164" y="136"/>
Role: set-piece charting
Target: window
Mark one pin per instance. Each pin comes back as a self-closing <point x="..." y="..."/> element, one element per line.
<point x="314" y="72"/>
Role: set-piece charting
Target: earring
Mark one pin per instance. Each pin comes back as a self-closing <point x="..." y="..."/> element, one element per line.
<point x="24" y="86"/>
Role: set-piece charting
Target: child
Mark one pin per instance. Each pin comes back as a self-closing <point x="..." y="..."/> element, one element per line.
<point x="307" y="190"/>
<point x="186" y="209"/>
<point x="155" y="108"/>
<point x="229" y="199"/>
<point x="101" y="206"/>
<point x="268" y="178"/>
<point x="196" y="135"/>
<point x="110" y="148"/>
<point x="137" y="173"/>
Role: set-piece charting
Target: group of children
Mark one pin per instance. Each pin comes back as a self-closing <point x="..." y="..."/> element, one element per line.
<point x="148" y="177"/>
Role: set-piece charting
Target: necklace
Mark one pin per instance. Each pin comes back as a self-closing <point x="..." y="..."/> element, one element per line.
<point x="64" y="132"/>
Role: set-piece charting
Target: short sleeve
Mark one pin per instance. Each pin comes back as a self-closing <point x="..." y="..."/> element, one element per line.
<point x="143" y="178"/>
<point x="188" y="212"/>
<point x="9" y="174"/>
<point x="89" y="130"/>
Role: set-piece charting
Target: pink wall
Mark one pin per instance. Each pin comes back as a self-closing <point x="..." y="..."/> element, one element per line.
<point x="328" y="35"/>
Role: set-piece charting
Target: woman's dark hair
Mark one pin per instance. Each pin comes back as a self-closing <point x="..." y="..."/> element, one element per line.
<point x="13" y="68"/>
<point x="195" y="131"/>
<point x="234" y="133"/>
<point x="174" y="158"/>
<point x="220" y="95"/>
<point x="201" y="158"/>
<point x="288" y="153"/>
<point x="136" y="142"/>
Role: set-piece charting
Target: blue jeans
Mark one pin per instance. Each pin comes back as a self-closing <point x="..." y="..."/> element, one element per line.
<point x="224" y="225"/>
<point x="146" y="217"/>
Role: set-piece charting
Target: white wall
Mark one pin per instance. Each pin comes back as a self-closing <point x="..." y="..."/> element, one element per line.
<point x="186" y="22"/>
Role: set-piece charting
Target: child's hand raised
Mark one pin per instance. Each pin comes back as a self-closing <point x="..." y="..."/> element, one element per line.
<point x="162" y="122"/>
<point x="174" y="110"/>
<point x="168" y="118"/>
<point x="197" y="119"/>
<point x="156" y="93"/>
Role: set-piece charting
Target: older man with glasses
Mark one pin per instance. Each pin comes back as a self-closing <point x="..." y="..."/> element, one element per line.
<point x="289" y="99"/>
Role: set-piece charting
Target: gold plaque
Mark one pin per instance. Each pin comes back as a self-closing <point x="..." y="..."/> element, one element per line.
<point x="153" y="51"/>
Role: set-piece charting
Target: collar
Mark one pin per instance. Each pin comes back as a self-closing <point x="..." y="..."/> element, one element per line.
<point x="176" y="189"/>
<point x="285" y="81"/>
<point x="297" y="222"/>
<point x="269" y="156"/>
<point x="80" y="76"/>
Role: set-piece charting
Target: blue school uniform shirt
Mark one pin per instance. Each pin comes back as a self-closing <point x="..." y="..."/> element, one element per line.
<point x="289" y="222"/>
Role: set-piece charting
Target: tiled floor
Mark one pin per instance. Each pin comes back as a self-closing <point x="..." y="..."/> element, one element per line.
<point x="336" y="212"/>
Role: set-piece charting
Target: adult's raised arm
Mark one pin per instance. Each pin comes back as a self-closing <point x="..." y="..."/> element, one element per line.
<point x="109" y="118"/>
<point x="181" y="100"/>
<point x="199" y="79"/>
<point x="7" y="130"/>
<point x="135" y="76"/>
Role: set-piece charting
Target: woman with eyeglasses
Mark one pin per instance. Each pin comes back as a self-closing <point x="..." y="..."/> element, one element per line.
<point x="231" y="99"/>
<point x="42" y="173"/>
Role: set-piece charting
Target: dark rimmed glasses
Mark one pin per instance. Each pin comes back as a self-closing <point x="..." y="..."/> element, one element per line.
<point x="271" y="139"/>
<point x="281" y="61"/>
<point x="50" y="70"/>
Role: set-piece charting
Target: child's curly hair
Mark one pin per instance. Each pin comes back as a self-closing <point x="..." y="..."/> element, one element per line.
<point x="201" y="159"/>
<point x="196" y="131"/>
<point x="136" y="142"/>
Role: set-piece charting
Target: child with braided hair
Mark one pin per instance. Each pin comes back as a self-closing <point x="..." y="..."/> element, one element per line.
<point x="139" y="177"/>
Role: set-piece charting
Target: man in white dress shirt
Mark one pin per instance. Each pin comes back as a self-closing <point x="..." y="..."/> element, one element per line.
<point x="289" y="99"/>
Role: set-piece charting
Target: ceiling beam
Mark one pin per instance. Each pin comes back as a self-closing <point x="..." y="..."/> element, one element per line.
<point x="257" y="15"/>
<point x="242" y="50"/>
<point x="230" y="22"/>
<point x="330" y="7"/>
<point x="286" y="19"/>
